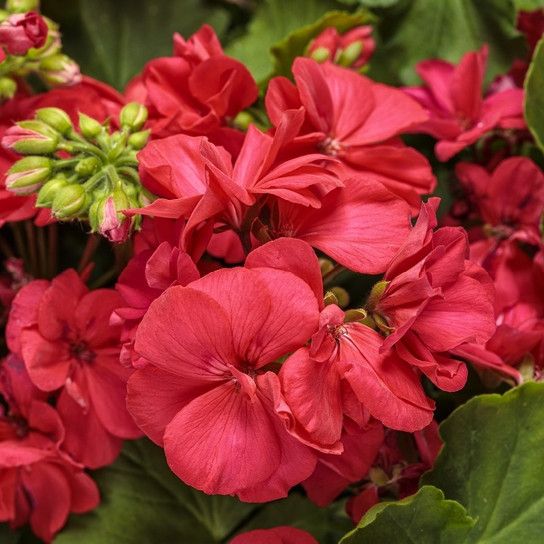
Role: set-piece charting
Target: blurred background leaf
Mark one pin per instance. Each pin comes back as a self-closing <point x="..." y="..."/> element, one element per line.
<point x="414" y="30"/>
<point x="112" y="40"/>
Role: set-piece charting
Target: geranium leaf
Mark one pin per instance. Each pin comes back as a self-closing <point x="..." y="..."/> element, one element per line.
<point x="425" y="518"/>
<point x="273" y="21"/>
<point x="493" y="445"/>
<point x="451" y="28"/>
<point x="534" y="98"/>
<point x="112" y="41"/>
<point x="143" y="501"/>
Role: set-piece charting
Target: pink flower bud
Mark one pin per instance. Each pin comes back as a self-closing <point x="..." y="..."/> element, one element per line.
<point x="27" y="175"/>
<point x="31" y="138"/>
<point x="21" y="31"/>
<point x="105" y="217"/>
<point x="352" y="49"/>
<point x="60" y="70"/>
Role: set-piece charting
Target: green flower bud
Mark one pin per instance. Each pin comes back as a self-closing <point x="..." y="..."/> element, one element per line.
<point x="28" y="174"/>
<point x="342" y="296"/>
<point x="87" y="167"/>
<point x="8" y="87"/>
<point x="242" y="120"/>
<point x="59" y="69"/>
<point x="376" y="294"/>
<point x="137" y="140"/>
<point x="90" y="128"/>
<point x="49" y="191"/>
<point x="22" y="6"/>
<point x="31" y="138"/>
<point x="350" y="54"/>
<point x="70" y="202"/>
<point x="321" y="54"/>
<point x="56" y="118"/>
<point x="133" y="116"/>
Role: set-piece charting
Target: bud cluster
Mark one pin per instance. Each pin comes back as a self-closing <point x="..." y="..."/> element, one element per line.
<point x="352" y="49"/>
<point x="90" y="175"/>
<point x="30" y="43"/>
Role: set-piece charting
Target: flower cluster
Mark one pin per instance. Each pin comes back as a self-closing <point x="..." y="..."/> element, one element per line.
<point x="228" y="339"/>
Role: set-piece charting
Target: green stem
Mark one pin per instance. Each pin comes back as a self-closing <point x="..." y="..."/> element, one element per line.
<point x="93" y="241"/>
<point x="20" y="244"/>
<point x="5" y="248"/>
<point x="104" y="279"/>
<point x="332" y="273"/>
<point x="53" y="254"/>
<point x="42" y="254"/>
<point x="32" y="248"/>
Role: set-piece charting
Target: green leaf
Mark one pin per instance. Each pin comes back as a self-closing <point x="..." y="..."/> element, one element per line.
<point x="143" y="501"/>
<point x="491" y="463"/>
<point x="295" y="44"/>
<point x="534" y="97"/>
<point x="414" y="30"/>
<point x="274" y="20"/>
<point x="112" y="40"/>
<point x="371" y="3"/>
<point x="425" y="518"/>
<point x="529" y="5"/>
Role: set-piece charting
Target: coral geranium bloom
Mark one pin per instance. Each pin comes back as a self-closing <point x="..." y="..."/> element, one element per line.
<point x="206" y="394"/>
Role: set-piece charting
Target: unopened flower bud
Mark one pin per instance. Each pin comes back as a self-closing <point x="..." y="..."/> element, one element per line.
<point x="21" y="31"/>
<point x="49" y="191"/>
<point x="70" y="202"/>
<point x="243" y="120"/>
<point x="56" y="118"/>
<point x="341" y="295"/>
<point x="60" y="70"/>
<point x="321" y="54"/>
<point x="375" y="295"/>
<point x="22" y="6"/>
<point x="8" y="87"/>
<point x="137" y="140"/>
<point x="133" y="116"/>
<point x="105" y="217"/>
<point x="349" y="56"/>
<point x="87" y="167"/>
<point x="28" y="174"/>
<point x="356" y="314"/>
<point x="31" y="138"/>
<point x="325" y="265"/>
<point x="90" y="128"/>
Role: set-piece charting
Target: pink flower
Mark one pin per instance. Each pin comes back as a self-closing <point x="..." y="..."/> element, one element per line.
<point x="39" y="483"/>
<point x="144" y="279"/>
<point x="509" y="200"/>
<point x="432" y="299"/>
<point x="60" y="330"/>
<point x="356" y="121"/>
<point x="21" y="31"/>
<point x="453" y="97"/>
<point x="345" y="366"/>
<point x="360" y="225"/>
<point x="209" y="395"/>
<point x="198" y="90"/>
